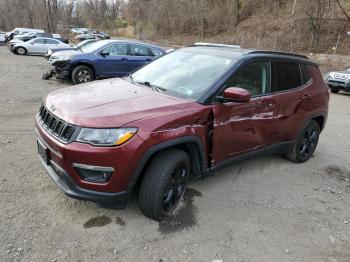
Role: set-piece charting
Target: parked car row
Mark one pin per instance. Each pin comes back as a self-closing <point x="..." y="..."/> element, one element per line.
<point x="87" y="33"/>
<point x="101" y="59"/>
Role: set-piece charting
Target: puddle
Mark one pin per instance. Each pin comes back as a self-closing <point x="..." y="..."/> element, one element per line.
<point x="184" y="217"/>
<point x="120" y="221"/>
<point x="97" y="222"/>
<point x="338" y="173"/>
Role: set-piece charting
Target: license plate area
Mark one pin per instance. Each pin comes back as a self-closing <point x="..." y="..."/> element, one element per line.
<point x="43" y="152"/>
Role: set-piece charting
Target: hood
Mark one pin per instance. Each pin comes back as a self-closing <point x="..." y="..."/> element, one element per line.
<point x="112" y="103"/>
<point x="341" y="75"/>
<point x="67" y="52"/>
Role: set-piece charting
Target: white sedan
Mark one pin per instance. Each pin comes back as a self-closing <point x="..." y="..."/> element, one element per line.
<point x="38" y="45"/>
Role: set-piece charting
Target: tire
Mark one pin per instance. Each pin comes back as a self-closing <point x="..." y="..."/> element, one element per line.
<point x="306" y="143"/>
<point x="164" y="184"/>
<point x="335" y="91"/>
<point x="20" y="51"/>
<point x="82" y="74"/>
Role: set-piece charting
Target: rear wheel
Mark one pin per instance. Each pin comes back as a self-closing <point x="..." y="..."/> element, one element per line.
<point x="164" y="184"/>
<point x="306" y="143"/>
<point x="82" y="74"/>
<point x="21" y="50"/>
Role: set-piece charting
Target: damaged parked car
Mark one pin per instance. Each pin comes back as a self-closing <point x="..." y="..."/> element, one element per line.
<point x="339" y="81"/>
<point x="102" y="59"/>
<point x="188" y="113"/>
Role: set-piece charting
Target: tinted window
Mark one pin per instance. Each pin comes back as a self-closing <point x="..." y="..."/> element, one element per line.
<point x="139" y="50"/>
<point x="40" y="41"/>
<point x="117" y="49"/>
<point x="254" y="77"/>
<point x="285" y="75"/>
<point x="305" y="73"/>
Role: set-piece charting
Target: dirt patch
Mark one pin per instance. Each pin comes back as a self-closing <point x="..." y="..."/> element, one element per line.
<point x="97" y="222"/>
<point x="338" y="172"/>
<point x="184" y="218"/>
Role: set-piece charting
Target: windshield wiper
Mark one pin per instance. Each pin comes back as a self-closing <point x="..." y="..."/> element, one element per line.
<point x="154" y="87"/>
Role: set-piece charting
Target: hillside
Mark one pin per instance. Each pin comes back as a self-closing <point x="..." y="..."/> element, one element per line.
<point x="307" y="26"/>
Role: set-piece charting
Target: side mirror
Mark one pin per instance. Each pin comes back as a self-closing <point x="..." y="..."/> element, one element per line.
<point x="236" y="94"/>
<point x="104" y="53"/>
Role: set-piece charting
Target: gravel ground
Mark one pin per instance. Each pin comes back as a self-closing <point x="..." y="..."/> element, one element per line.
<point x="266" y="209"/>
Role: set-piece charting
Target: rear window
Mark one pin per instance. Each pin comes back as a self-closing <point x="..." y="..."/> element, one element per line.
<point x="305" y="73"/>
<point x="285" y="76"/>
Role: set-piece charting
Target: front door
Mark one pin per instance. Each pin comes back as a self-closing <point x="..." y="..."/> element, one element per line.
<point x="242" y="127"/>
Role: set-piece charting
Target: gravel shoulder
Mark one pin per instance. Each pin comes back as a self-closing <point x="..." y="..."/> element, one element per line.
<point x="265" y="209"/>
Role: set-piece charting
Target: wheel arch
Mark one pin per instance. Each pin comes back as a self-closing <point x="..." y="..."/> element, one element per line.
<point x="83" y="63"/>
<point x="190" y="144"/>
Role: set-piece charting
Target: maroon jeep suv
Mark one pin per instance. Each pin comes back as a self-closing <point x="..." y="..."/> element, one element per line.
<point x="190" y="112"/>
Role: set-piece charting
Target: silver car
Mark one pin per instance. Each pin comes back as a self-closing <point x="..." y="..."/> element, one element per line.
<point x="38" y="45"/>
<point x="338" y="81"/>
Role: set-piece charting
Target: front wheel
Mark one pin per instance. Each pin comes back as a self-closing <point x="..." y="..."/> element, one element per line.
<point x="82" y="74"/>
<point x="164" y="184"/>
<point x="21" y="50"/>
<point x="305" y="145"/>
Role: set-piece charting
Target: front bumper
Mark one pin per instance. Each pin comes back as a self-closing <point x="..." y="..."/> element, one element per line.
<point x="61" y="158"/>
<point x="339" y="85"/>
<point x="61" y="69"/>
<point x="65" y="182"/>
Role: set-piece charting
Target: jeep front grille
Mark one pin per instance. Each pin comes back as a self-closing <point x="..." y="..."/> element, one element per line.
<point x="54" y="125"/>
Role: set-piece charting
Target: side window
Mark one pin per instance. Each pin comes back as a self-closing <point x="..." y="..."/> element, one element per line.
<point x="40" y="41"/>
<point x="285" y="76"/>
<point x="51" y="42"/>
<point x="254" y="77"/>
<point x="117" y="49"/>
<point x="139" y="50"/>
<point x="305" y="73"/>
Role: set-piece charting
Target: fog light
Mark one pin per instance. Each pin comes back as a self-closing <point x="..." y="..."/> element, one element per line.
<point x="95" y="174"/>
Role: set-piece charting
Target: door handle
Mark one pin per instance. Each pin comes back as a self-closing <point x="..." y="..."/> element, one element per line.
<point x="306" y="97"/>
<point x="124" y="59"/>
<point x="148" y="59"/>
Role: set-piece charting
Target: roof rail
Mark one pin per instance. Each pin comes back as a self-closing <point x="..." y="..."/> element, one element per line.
<point x="278" y="53"/>
<point x="215" y="45"/>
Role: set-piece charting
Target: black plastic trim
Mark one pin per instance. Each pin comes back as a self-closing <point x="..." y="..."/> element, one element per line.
<point x="164" y="145"/>
<point x="279" y="148"/>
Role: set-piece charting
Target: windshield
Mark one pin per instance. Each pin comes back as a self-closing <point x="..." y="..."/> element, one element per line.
<point x="93" y="47"/>
<point x="184" y="73"/>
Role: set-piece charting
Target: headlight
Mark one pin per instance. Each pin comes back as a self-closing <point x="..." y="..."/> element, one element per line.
<point x="106" y="137"/>
<point x="63" y="58"/>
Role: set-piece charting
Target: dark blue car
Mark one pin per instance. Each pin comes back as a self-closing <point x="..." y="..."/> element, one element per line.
<point x="102" y="59"/>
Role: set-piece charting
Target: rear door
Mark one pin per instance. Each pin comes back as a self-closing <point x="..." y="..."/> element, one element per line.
<point x="140" y="55"/>
<point x="239" y="127"/>
<point x="51" y="43"/>
<point x="115" y="64"/>
<point x="290" y="96"/>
